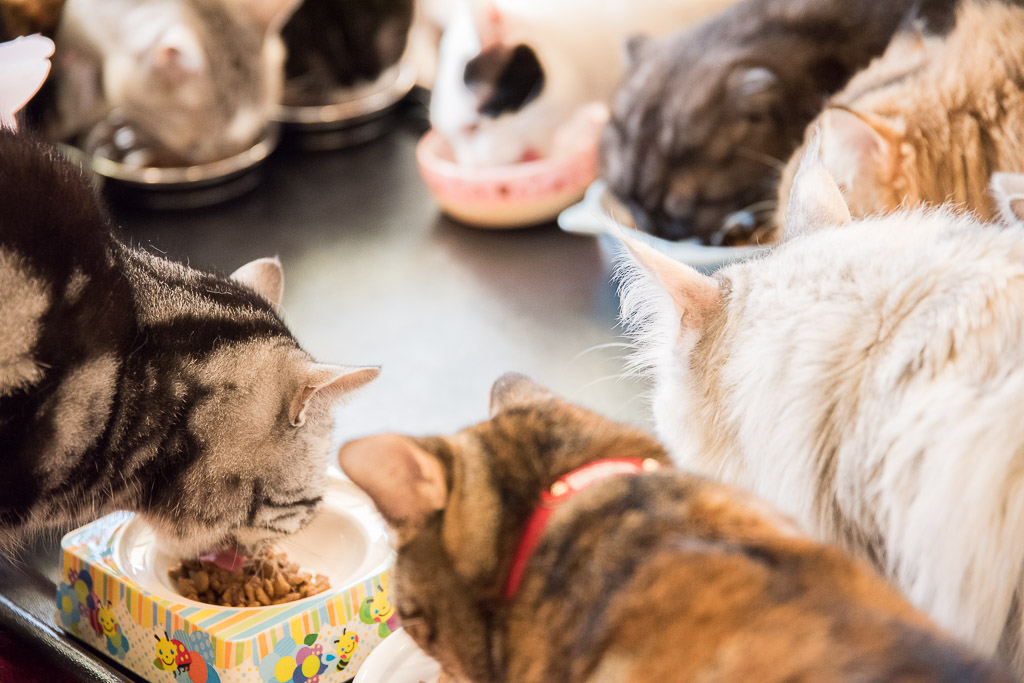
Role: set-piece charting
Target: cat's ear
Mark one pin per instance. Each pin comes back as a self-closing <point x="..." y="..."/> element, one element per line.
<point x="25" y="63"/>
<point x="405" y="482"/>
<point x="326" y="384"/>
<point x="1008" y="193"/>
<point x="488" y="21"/>
<point x="694" y="295"/>
<point x="269" y="15"/>
<point x="635" y="49"/>
<point x="815" y="200"/>
<point x="754" y="89"/>
<point x="265" y="277"/>
<point x="852" y="141"/>
<point x="513" y="390"/>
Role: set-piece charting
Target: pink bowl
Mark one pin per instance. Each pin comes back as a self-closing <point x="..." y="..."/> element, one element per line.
<point x="515" y="195"/>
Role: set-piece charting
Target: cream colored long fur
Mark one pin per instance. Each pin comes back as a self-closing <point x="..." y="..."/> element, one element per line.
<point x="867" y="378"/>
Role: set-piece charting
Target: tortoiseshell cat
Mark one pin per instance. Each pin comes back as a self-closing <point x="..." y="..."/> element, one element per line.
<point x="131" y="382"/>
<point x="657" y="576"/>
<point x="930" y="120"/>
<point x="705" y="119"/>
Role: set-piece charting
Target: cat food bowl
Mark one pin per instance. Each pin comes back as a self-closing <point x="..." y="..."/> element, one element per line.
<point x="118" y="598"/>
<point x="515" y="195"/>
<point x="399" y="660"/>
<point x="180" y="187"/>
<point x="601" y="214"/>
<point x="357" y="115"/>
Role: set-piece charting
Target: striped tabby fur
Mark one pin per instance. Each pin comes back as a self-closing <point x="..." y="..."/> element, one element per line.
<point x="131" y="382"/>
<point x="867" y="378"/>
<point x="663" y="576"/>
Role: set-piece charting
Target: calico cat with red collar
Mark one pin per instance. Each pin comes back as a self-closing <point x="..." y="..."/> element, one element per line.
<point x="551" y="544"/>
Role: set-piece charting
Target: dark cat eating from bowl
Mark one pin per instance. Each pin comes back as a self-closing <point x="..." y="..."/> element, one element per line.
<point x="703" y="122"/>
<point x="131" y="382"/>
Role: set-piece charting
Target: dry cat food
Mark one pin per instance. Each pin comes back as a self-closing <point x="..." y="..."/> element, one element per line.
<point x="267" y="579"/>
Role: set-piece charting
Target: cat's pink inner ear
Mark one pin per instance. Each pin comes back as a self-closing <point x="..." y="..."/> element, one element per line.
<point x="1008" y="193"/>
<point x="265" y="277"/>
<point x="815" y="201"/>
<point x="25" y="64"/>
<point x="405" y="482"/>
<point x="488" y="21"/>
<point x="326" y="384"/>
<point x="858" y="141"/>
<point x="694" y="295"/>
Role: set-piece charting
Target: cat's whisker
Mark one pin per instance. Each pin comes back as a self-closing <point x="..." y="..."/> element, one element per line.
<point x="599" y="347"/>
<point x="760" y="157"/>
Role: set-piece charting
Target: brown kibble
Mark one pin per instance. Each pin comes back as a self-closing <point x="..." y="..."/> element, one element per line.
<point x="269" y="579"/>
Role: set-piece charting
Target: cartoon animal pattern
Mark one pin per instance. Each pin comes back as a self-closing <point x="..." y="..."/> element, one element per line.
<point x="117" y="643"/>
<point x="345" y="647"/>
<point x="378" y="609"/>
<point x="291" y="662"/>
<point x="333" y="654"/>
<point x="189" y="656"/>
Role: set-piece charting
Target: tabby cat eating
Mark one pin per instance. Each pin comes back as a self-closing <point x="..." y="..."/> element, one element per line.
<point x="704" y="120"/>
<point x="866" y="376"/>
<point x="640" y="573"/>
<point x="930" y="120"/>
<point x="128" y="381"/>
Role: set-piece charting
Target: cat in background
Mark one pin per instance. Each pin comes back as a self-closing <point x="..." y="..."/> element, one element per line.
<point x="703" y="121"/>
<point x="336" y="48"/>
<point x="194" y="80"/>
<point x="866" y="376"/>
<point x="930" y="120"/>
<point x="130" y="382"/>
<point x="651" y="575"/>
<point x="511" y="73"/>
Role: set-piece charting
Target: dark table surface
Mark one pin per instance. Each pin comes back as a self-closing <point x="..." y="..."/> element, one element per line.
<point x="374" y="275"/>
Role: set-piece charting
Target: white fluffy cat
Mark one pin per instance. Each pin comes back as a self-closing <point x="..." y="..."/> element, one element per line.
<point x="579" y="48"/>
<point x="868" y="378"/>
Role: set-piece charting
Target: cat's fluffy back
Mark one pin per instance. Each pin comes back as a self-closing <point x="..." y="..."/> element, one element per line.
<point x="863" y="378"/>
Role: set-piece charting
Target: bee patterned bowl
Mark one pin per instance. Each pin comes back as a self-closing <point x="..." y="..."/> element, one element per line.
<point x="117" y="597"/>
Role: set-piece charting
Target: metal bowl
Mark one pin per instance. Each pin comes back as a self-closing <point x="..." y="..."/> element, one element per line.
<point x="180" y="187"/>
<point x="348" y="121"/>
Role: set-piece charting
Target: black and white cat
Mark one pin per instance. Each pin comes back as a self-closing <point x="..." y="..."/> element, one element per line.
<point x="128" y="381"/>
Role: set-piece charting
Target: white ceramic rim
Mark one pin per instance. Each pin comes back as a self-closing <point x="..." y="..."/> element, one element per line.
<point x="397" y="653"/>
<point x="358" y="506"/>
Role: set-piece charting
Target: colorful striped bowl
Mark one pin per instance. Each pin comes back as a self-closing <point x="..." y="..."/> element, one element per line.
<point x="116" y="597"/>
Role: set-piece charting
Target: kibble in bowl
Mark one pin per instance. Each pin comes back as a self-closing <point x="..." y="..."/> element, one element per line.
<point x="266" y="579"/>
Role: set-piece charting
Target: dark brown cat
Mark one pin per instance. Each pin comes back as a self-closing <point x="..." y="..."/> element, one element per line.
<point x="652" y="576"/>
<point x="704" y="120"/>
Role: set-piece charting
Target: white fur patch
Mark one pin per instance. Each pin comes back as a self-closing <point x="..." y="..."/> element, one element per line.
<point x="25" y="299"/>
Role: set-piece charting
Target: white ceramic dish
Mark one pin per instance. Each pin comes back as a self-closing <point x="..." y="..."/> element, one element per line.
<point x="117" y="597"/>
<point x="398" y="660"/>
<point x="601" y="214"/>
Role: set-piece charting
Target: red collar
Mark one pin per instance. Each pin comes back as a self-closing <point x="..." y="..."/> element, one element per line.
<point x="562" y="490"/>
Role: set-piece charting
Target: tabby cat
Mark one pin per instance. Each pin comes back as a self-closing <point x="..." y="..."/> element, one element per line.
<point x="704" y="119"/>
<point x="656" y="576"/>
<point x="194" y="81"/>
<point x="867" y="378"/>
<point x="131" y="382"/>
<point x="930" y="120"/>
